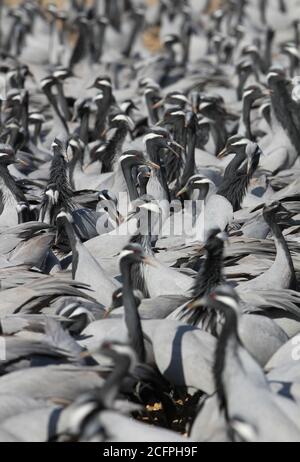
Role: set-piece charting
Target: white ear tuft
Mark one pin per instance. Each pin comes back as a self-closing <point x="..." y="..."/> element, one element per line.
<point x="125" y="253"/>
<point x="151" y="136"/>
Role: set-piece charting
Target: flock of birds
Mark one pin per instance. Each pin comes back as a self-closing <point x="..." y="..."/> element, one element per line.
<point x="150" y="221"/>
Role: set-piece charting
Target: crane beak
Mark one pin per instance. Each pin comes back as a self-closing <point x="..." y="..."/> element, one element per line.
<point x="151" y="164"/>
<point x="158" y="104"/>
<point x="223" y="153"/>
<point x="266" y="92"/>
<point x="107" y="312"/>
<point x="173" y="151"/>
<point x="177" y="145"/>
<point x="197" y="303"/>
<point x="22" y="162"/>
<point x="182" y="191"/>
<point x="104" y="133"/>
<point x="86" y="166"/>
<point x="85" y="354"/>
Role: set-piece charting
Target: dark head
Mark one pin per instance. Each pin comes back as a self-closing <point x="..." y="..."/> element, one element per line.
<point x="215" y="241"/>
<point x="47" y="83"/>
<point x="36" y="118"/>
<point x="203" y="127"/>
<point x="148" y="83"/>
<point x="252" y="51"/>
<point x="58" y="148"/>
<point x="76" y="144"/>
<point x="104" y="84"/>
<point x="197" y="182"/>
<point x="276" y="77"/>
<point x="143" y="175"/>
<point x="117" y="299"/>
<point x="128" y="106"/>
<point x="14" y="98"/>
<point x="161" y="139"/>
<point x="152" y="95"/>
<point x="244" y="67"/>
<point x="176" y="98"/>
<point x="174" y="116"/>
<point x="276" y="212"/>
<point x="122" y="121"/>
<point x="253" y="93"/>
<point x="132" y="158"/>
<point x="62" y="73"/>
<point x="23" y="210"/>
<point x="132" y="253"/>
<point x="236" y="144"/>
<point x="7" y="155"/>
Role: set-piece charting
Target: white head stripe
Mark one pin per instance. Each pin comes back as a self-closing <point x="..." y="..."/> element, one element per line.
<point x="61" y="214"/>
<point x="204" y="181"/>
<point x="120" y="117"/>
<point x="180" y="97"/>
<point x="248" y="92"/>
<point x="151" y="136"/>
<point x="226" y="300"/>
<point x="124" y="253"/>
<point x="125" y="156"/>
<point x="205" y="105"/>
<point x="77" y="312"/>
<point x="104" y="83"/>
<point x="74" y="143"/>
<point x="178" y="113"/>
<point x="240" y="142"/>
<point x="272" y="74"/>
